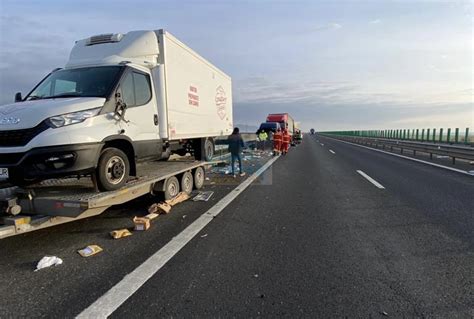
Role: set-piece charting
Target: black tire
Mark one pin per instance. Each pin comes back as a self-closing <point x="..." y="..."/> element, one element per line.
<point x="204" y="149"/>
<point x="171" y="187"/>
<point x="112" y="170"/>
<point x="199" y="177"/>
<point x="187" y="182"/>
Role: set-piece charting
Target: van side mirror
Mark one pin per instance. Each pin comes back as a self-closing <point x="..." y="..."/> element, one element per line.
<point x="18" y="97"/>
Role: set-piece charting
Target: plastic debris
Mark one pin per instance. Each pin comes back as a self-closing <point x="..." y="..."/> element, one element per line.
<point x="90" y="250"/>
<point x="203" y="196"/>
<point x="207" y="178"/>
<point x="48" y="261"/>
<point x="204" y="236"/>
<point x="384" y="313"/>
<point x="120" y="233"/>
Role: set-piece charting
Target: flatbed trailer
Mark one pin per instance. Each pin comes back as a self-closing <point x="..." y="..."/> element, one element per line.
<point x="55" y="202"/>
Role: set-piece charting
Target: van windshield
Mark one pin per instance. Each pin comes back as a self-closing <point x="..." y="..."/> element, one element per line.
<point x="82" y="82"/>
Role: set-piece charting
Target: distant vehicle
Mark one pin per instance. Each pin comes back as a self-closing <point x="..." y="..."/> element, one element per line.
<point x="312" y="131"/>
<point x="121" y="99"/>
<point x="284" y="119"/>
<point x="297" y="136"/>
<point x="269" y="127"/>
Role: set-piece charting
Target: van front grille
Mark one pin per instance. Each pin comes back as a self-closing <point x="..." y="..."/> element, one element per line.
<point x="15" y="138"/>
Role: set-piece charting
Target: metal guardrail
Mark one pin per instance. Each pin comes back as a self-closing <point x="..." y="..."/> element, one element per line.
<point x="448" y="136"/>
<point x="453" y="151"/>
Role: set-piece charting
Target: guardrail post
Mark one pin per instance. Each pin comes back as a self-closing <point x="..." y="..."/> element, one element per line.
<point x="404" y="134"/>
<point x="456" y="135"/>
<point x="417" y="132"/>
<point x="466" y="136"/>
<point x="423" y="135"/>
<point x="440" y="135"/>
<point x="434" y="135"/>
<point x="448" y="137"/>
<point x="428" y="135"/>
<point x="408" y="134"/>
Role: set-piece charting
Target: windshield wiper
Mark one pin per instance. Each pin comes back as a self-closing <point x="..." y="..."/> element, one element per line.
<point x="64" y="95"/>
<point x="34" y="97"/>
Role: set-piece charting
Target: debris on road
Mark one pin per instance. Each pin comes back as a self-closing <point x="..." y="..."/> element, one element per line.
<point x="204" y="236"/>
<point x="120" y="233"/>
<point x="152" y="216"/>
<point x="48" y="261"/>
<point x="181" y="197"/>
<point x="384" y="313"/>
<point x="255" y="275"/>
<point x="141" y="223"/>
<point x="159" y="208"/>
<point x="90" y="250"/>
<point x="203" y="196"/>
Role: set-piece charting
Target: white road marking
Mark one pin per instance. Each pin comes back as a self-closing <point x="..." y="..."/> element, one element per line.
<point x="409" y="158"/>
<point x="370" y="179"/>
<point x="117" y="295"/>
<point x="332" y="151"/>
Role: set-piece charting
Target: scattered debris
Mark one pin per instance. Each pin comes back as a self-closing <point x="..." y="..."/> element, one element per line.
<point x="203" y="196"/>
<point x="152" y="216"/>
<point x="90" y="250"/>
<point x="181" y="197"/>
<point x="255" y="276"/>
<point x="203" y="236"/>
<point x="184" y="216"/>
<point x="141" y="223"/>
<point x="384" y="313"/>
<point x="471" y="163"/>
<point x="120" y="233"/>
<point x="159" y="208"/>
<point x="207" y="178"/>
<point x="48" y="261"/>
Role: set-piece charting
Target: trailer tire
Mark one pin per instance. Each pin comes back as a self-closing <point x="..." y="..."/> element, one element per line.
<point x="204" y="149"/>
<point x="171" y="187"/>
<point x="187" y="182"/>
<point x="199" y="177"/>
<point x="113" y="169"/>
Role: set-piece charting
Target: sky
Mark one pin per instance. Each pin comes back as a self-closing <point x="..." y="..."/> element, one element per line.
<point x="333" y="65"/>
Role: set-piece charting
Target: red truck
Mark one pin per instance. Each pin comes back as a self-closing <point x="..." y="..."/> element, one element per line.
<point x="284" y="119"/>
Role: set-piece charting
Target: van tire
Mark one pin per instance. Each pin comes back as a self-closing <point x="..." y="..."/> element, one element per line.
<point x="113" y="169"/>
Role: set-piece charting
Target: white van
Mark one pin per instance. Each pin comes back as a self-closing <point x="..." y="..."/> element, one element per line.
<point x="121" y="99"/>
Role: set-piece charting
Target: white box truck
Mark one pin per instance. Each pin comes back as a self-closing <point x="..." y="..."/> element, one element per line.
<point x="120" y="99"/>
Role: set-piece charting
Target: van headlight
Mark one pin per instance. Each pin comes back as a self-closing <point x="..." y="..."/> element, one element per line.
<point x="72" y="118"/>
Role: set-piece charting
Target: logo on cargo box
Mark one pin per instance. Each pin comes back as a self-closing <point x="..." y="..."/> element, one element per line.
<point x="221" y="101"/>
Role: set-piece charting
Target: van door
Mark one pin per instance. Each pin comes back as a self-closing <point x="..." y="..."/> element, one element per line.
<point x="141" y="118"/>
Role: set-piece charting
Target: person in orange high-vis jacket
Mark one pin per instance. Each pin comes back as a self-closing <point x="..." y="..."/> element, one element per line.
<point x="285" y="145"/>
<point x="277" y="141"/>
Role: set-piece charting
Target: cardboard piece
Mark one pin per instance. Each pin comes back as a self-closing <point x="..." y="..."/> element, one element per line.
<point x="90" y="250"/>
<point x="152" y="216"/>
<point x="160" y="208"/>
<point x="120" y="233"/>
<point x="181" y="197"/>
<point x="141" y="223"/>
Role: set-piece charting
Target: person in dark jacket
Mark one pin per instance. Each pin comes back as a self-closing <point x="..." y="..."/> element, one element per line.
<point x="236" y="144"/>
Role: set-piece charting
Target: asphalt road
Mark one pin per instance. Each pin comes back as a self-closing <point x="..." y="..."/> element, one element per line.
<point x="314" y="239"/>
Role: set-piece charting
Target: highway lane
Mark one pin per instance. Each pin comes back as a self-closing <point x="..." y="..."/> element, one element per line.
<point x="323" y="241"/>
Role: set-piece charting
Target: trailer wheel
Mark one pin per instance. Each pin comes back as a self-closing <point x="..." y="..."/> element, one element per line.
<point x="199" y="177"/>
<point x="113" y="169"/>
<point x="171" y="187"/>
<point x="187" y="182"/>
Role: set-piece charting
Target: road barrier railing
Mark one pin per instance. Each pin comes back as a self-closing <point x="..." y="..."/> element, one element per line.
<point x="402" y="146"/>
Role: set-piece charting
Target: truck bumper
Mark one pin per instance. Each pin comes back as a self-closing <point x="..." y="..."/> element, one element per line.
<point x="53" y="161"/>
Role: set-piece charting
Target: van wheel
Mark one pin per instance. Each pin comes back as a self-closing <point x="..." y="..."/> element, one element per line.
<point x="171" y="187"/>
<point x="113" y="169"/>
<point x="208" y="149"/>
<point x="187" y="183"/>
<point x="199" y="177"/>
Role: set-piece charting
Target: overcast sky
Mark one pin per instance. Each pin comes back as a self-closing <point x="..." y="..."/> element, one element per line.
<point x="331" y="64"/>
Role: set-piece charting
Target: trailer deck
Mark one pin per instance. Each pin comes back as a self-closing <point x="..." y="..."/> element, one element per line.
<point x="60" y="201"/>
